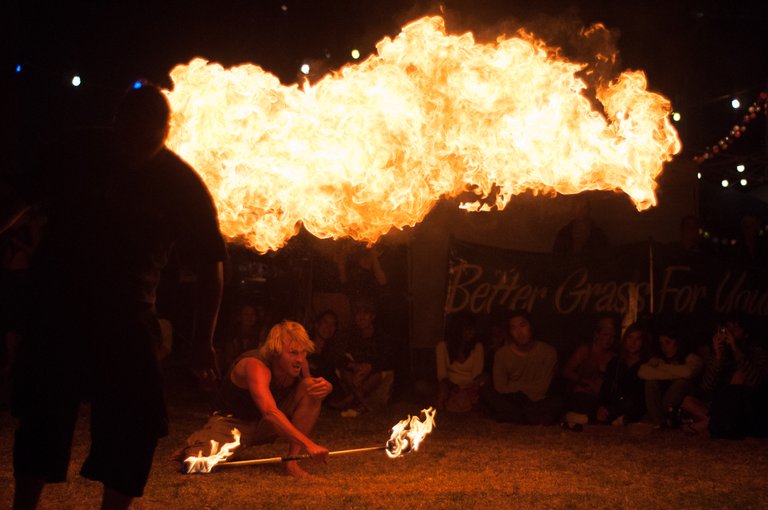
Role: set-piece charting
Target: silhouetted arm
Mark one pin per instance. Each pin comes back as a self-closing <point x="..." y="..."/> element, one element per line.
<point x="210" y="286"/>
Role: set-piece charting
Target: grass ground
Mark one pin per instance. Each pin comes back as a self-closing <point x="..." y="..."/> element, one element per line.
<point x="467" y="462"/>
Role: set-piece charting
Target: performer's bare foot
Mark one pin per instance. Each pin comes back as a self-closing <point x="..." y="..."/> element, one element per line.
<point x="292" y="469"/>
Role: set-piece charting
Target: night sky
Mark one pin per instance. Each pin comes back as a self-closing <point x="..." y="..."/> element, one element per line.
<point x="697" y="53"/>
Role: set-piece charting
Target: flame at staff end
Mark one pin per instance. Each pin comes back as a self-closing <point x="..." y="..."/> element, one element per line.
<point x="200" y="464"/>
<point x="409" y="433"/>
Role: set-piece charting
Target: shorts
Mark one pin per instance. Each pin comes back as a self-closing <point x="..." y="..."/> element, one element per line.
<point x="252" y="432"/>
<point x="120" y="379"/>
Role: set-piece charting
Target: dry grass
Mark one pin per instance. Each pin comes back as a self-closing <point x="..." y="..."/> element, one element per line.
<point x="467" y="462"/>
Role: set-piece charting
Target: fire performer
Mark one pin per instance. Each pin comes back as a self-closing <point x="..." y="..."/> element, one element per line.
<point x="119" y="203"/>
<point x="268" y="393"/>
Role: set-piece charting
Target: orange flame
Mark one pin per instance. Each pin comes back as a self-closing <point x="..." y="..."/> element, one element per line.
<point x="200" y="464"/>
<point x="409" y="433"/>
<point x="377" y="144"/>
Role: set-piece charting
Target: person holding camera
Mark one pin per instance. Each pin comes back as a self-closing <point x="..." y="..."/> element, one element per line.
<point x="728" y="402"/>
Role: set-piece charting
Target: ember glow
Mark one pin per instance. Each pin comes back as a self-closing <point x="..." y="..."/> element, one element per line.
<point x="377" y="144"/>
<point x="202" y="464"/>
<point x="409" y="433"/>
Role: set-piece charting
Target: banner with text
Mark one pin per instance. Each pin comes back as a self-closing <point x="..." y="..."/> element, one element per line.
<point x="566" y="294"/>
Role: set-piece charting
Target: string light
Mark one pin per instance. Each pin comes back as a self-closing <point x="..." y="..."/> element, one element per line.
<point x="138" y="84"/>
<point x="355" y="54"/>
<point x="18" y="68"/>
<point x="735" y="103"/>
<point x="304" y="68"/>
<point x="724" y="183"/>
<point x="76" y="81"/>
<point x="759" y="105"/>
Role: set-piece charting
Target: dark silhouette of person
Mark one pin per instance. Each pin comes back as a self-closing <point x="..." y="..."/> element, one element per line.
<point x="751" y="247"/>
<point x="118" y="202"/>
<point x="580" y="236"/>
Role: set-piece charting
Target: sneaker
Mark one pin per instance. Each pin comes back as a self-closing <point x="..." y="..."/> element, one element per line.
<point x="350" y="413"/>
<point x="576" y="418"/>
<point x="673" y="419"/>
<point x="573" y="427"/>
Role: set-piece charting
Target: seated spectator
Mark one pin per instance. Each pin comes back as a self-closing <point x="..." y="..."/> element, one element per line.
<point x="522" y="372"/>
<point x="496" y="337"/>
<point x="622" y="394"/>
<point x="247" y="333"/>
<point x="732" y="389"/>
<point x="367" y="375"/>
<point x="459" y="364"/>
<point x="669" y="377"/>
<point x="327" y="359"/>
<point x="585" y="370"/>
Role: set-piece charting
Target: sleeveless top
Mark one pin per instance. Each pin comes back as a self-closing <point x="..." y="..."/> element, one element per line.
<point x="237" y="402"/>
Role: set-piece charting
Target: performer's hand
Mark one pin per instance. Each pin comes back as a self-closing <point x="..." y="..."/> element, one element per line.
<point x="317" y="453"/>
<point x="205" y="367"/>
<point x="360" y="372"/>
<point x="319" y="387"/>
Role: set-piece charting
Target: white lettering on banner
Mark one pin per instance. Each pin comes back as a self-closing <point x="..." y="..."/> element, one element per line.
<point x="681" y="289"/>
<point x="683" y="298"/>
<point x="751" y="301"/>
<point x="506" y="291"/>
<point x="577" y="294"/>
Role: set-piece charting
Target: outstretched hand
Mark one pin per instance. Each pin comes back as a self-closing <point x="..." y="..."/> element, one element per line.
<point x="205" y="368"/>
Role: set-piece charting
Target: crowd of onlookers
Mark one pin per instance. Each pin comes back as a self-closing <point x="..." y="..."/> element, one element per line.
<point x="650" y="375"/>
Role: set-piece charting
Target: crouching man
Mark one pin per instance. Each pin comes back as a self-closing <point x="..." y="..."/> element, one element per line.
<point x="268" y="393"/>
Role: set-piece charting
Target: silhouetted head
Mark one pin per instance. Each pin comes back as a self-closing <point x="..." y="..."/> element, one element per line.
<point x="604" y="334"/>
<point x="326" y="325"/>
<point x="520" y="328"/>
<point x="141" y="123"/>
<point x="689" y="231"/>
<point x="364" y="314"/>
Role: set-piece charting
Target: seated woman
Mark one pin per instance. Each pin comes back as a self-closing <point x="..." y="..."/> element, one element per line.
<point x="622" y="394"/>
<point x="459" y="364"/>
<point x="327" y="360"/>
<point x="247" y="332"/>
<point x="585" y="369"/>
<point x="729" y="395"/>
<point x="669" y="377"/>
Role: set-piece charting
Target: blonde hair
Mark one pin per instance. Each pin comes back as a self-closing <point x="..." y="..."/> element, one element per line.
<point x="282" y="333"/>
